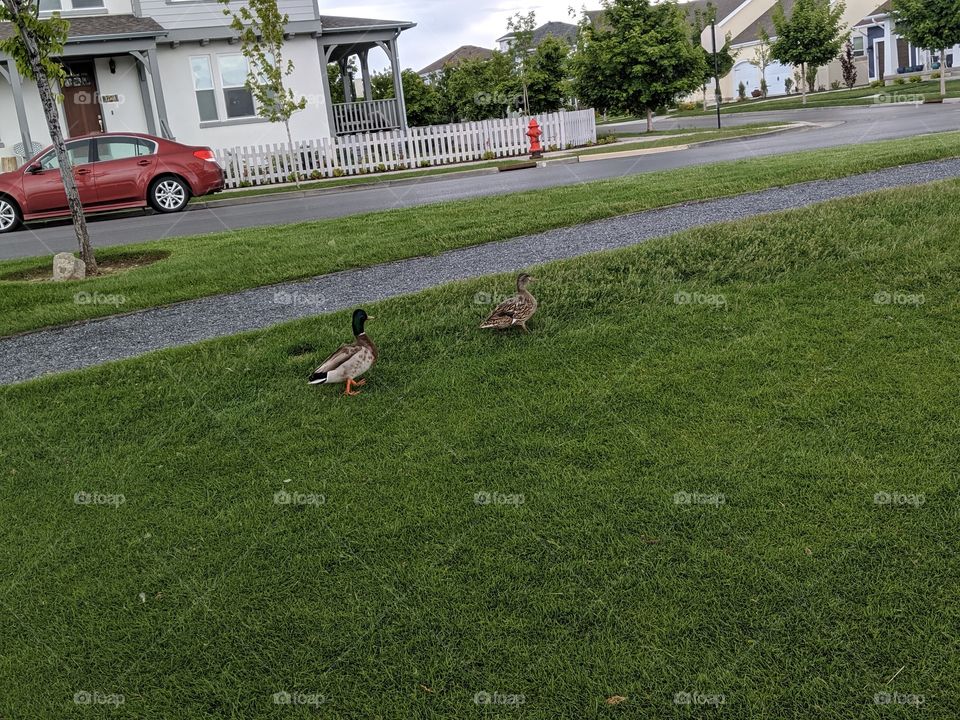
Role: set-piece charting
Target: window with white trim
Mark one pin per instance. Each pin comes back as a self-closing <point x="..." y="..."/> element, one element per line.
<point x="48" y="6"/>
<point x="859" y="44"/>
<point x="203" y="88"/>
<point x="237" y="98"/>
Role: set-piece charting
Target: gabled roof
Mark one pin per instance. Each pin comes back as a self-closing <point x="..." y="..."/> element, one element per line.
<point x="464" y="52"/>
<point x="103" y="27"/>
<point x="884" y="9"/>
<point x="563" y="31"/>
<point x="724" y="8"/>
<point x="749" y="33"/>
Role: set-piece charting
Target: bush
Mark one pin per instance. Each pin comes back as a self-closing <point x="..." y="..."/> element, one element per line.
<point x="899" y="81"/>
<point x="424" y="163"/>
<point x="935" y="75"/>
<point x="835" y="85"/>
<point x="489" y="155"/>
<point x="316" y="175"/>
<point x="685" y="106"/>
<point x="741" y="91"/>
<point x="246" y="184"/>
<point x="788" y="85"/>
<point x="877" y="84"/>
<point x="915" y="79"/>
<point x="338" y="172"/>
<point x="402" y="166"/>
<point x="606" y="139"/>
<point x="380" y="168"/>
<point x="552" y="148"/>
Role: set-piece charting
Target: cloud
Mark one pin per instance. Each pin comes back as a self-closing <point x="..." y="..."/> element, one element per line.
<point x="443" y="25"/>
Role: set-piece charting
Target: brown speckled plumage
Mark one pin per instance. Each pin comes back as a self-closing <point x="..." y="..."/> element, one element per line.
<point x="514" y="311"/>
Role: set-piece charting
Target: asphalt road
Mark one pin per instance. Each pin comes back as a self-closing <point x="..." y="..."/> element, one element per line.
<point x="840" y="126"/>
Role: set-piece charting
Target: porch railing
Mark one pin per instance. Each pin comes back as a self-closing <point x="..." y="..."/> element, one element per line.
<point x="368" y="116"/>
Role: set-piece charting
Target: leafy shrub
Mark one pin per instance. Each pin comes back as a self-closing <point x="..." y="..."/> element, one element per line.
<point x="316" y="175"/>
<point x="788" y="85"/>
<point x="877" y="84"/>
<point x="741" y="91"/>
<point x="424" y="163"/>
<point x="338" y="172"/>
<point x="246" y="184"/>
<point x="489" y="155"/>
<point x="835" y="85"/>
<point x="899" y="81"/>
<point x="935" y="75"/>
<point x="687" y="106"/>
<point x="915" y="79"/>
<point x="380" y="168"/>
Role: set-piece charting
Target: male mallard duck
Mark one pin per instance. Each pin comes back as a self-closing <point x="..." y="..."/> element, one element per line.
<point x="349" y="360"/>
<point x="514" y="311"/>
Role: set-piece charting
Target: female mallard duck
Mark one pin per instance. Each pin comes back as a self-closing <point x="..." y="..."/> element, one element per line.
<point x="514" y="311"/>
<point x="350" y="360"/>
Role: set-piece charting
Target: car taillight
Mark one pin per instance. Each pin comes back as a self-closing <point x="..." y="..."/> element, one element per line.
<point x="205" y="154"/>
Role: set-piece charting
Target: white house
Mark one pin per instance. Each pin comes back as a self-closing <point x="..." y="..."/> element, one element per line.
<point x="173" y="68"/>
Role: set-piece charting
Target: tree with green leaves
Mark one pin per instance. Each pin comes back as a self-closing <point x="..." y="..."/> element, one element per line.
<point x="335" y="78"/>
<point x="521" y="46"/>
<point x="547" y="76"/>
<point x="848" y="66"/>
<point x="479" y="89"/>
<point x="423" y="103"/>
<point x="931" y="24"/>
<point x="716" y="65"/>
<point x="639" y="59"/>
<point x="261" y="28"/>
<point x="810" y="37"/>
<point x="33" y="44"/>
<point x="761" y="58"/>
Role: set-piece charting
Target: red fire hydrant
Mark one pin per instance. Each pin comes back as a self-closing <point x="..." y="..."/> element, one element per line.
<point x="535" y="133"/>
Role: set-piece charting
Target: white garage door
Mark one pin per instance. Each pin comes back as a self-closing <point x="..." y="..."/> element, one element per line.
<point x="744" y="72"/>
<point x="776" y="74"/>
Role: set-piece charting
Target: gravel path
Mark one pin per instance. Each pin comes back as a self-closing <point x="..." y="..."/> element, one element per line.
<point x="115" y="338"/>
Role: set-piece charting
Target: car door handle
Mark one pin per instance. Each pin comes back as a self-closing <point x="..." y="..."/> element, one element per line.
<point x="81" y="171"/>
<point x="143" y="162"/>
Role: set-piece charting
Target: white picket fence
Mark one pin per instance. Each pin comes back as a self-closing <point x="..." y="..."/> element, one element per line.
<point x="398" y="150"/>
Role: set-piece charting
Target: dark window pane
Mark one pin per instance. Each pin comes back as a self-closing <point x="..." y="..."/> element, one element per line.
<point x="207" y="102"/>
<point x="239" y="103"/>
<point x="84" y="4"/>
<point x="49" y="5"/>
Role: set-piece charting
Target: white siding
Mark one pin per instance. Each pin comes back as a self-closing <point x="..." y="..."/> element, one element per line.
<point x="126" y="113"/>
<point x="206" y="13"/>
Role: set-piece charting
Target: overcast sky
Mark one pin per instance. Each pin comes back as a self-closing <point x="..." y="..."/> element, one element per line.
<point x="444" y="25"/>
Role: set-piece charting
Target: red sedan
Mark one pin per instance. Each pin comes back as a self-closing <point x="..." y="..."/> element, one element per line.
<point x="114" y="171"/>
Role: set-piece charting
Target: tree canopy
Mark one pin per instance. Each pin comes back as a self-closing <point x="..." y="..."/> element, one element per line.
<point x="812" y="36"/>
<point x="931" y="24"/>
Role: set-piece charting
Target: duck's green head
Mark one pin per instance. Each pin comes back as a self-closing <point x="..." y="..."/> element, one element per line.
<point x="359" y="318"/>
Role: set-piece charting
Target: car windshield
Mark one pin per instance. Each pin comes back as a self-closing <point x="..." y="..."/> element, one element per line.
<point x="78" y="152"/>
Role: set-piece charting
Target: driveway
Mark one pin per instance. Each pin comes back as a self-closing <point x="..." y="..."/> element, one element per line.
<point x="841" y="126"/>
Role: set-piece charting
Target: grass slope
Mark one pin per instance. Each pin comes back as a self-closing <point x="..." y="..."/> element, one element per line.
<point x="231" y="261"/>
<point x="797" y="399"/>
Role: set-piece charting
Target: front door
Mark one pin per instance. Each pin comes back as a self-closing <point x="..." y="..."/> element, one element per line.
<point x="880" y="57"/>
<point x="43" y="189"/>
<point x="81" y="102"/>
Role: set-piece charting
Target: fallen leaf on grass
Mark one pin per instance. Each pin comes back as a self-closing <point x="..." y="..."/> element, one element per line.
<point x="615" y="699"/>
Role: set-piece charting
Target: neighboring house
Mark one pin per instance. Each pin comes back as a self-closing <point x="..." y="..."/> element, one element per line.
<point x="879" y="52"/>
<point x="173" y="68"/>
<point x="461" y="54"/>
<point x="561" y="30"/>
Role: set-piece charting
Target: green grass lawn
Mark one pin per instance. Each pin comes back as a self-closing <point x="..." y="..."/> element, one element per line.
<point x="685" y="138"/>
<point x="908" y="92"/>
<point x="782" y="399"/>
<point x="236" y="260"/>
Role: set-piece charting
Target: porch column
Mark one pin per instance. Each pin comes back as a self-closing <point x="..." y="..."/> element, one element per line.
<point x="158" y="94"/>
<point x="890" y="62"/>
<point x="325" y="53"/>
<point x="21" y="110"/>
<point x="398" y="82"/>
<point x="365" y="72"/>
<point x="145" y="98"/>
<point x="345" y="76"/>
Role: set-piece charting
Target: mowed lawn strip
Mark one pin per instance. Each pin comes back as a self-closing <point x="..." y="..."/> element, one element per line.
<point x="682" y="463"/>
<point x="236" y="260"/>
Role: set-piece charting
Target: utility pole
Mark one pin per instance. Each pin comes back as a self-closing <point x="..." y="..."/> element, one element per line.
<point x="716" y="69"/>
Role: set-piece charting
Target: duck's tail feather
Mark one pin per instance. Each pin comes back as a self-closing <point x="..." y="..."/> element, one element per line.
<point x="317" y="378"/>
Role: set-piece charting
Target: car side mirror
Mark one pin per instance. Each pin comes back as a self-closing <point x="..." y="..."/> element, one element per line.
<point x="33" y="168"/>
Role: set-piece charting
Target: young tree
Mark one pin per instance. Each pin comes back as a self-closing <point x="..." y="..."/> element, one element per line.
<point x="423" y="107"/>
<point x="761" y="59"/>
<point x="521" y="47"/>
<point x="261" y="27"/>
<point x="547" y="76"/>
<point x="932" y="24"/>
<point x="812" y="78"/>
<point x="641" y="58"/>
<point x="33" y="44"/>
<point x="811" y="36"/>
<point x="722" y="63"/>
<point x="848" y="65"/>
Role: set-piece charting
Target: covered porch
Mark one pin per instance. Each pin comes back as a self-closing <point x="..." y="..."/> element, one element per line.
<point x="345" y="38"/>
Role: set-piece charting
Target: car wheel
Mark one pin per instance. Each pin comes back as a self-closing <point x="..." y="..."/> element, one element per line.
<point x="9" y="215"/>
<point x="169" y="194"/>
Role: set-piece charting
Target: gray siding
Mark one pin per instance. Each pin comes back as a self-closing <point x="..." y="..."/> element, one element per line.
<point x="207" y="13"/>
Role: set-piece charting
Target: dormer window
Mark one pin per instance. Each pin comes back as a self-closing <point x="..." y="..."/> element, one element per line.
<point x="49" y="6"/>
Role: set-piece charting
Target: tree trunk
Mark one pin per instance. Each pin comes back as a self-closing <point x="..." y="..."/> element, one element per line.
<point x="704" y="98"/>
<point x="52" y="115"/>
<point x="803" y="81"/>
<point x="943" y="73"/>
<point x="649" y="120"/>
<point x="293" y="153"/>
